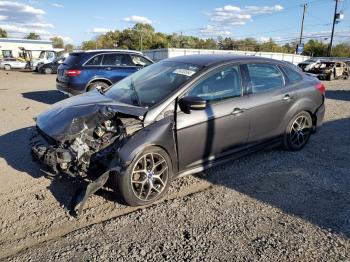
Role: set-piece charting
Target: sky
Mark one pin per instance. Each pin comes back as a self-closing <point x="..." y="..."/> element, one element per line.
<point x="80" y="20"/>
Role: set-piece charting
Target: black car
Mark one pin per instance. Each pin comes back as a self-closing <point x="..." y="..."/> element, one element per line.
<point x="179" y="117"/>
<point x="50" y="68"/>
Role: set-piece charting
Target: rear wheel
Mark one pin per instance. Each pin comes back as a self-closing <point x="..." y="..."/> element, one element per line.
<point x="99" y="84"/>
<point x="147" y="178"/>
<point x="7" y="67"/>
<point x="298" y="131"/>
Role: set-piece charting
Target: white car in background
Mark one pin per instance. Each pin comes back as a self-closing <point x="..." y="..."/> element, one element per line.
<point x="12" y="63"/>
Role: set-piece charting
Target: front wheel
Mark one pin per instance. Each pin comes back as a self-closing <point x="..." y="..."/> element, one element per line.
<point x="147" y="178"/>
<point x="7" y="67"/>
<point x="298" y="131"/>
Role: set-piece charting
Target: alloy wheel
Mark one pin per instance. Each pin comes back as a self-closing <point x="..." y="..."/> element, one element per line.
<point x="149" y="176"/>
<point x="300" y="131"/>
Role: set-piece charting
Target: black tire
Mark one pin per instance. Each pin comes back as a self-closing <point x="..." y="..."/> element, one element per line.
<point x="47" y="71"/>
<point x="104" y="86"/>
<point x="130" y="191"/>
<point x="298" y="131"/>
<point x="7" y="67"/>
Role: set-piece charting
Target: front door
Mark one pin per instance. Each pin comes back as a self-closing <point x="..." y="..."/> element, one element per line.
<point x="204" y="135"/>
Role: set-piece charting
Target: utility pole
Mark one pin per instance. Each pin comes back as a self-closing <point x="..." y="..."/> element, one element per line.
<point x="302" y="24"/>
<point x="302" y="28"/>
<point x="334" y="21"/>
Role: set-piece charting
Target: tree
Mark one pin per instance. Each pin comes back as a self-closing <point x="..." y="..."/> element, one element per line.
<point x="87" y="45"/>
<point x="3" y="33"/>
<point x="69" y="48"/>
<point x="315" y="48"/>
<point x="57" y="42"/>
<point x="33" y="36"/>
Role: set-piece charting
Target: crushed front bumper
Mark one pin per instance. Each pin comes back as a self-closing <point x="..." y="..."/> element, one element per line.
<point x="45" y="150"/>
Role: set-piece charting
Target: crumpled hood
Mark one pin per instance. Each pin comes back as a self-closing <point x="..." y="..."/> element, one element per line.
<point x="67" y="119"/>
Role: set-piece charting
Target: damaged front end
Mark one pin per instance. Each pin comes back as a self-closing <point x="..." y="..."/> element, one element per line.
<point x="83" y="133"/>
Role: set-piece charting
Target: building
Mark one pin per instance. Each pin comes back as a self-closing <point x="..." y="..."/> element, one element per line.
<point x="14" y="47"/>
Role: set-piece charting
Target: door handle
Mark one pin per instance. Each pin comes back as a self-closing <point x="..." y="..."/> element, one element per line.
<point x="287" y="97"/>
<point x="237" y="111"/>
<point x="108" y="68"/>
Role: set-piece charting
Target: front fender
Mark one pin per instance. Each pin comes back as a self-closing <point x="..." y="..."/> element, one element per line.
<point x="160" y="133"/>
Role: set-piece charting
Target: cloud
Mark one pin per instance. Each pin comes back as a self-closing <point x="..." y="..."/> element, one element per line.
<point x="223" y="18"/>
<point x="18" y="19"/>
<point x="99" y="30"/>
<point x="137" y="19"/>
<point x="57" y="5"/>
<point x="236" y="16"/>
<point x="211" y="31"/>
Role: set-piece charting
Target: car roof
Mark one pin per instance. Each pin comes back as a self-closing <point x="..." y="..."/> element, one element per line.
<point x="214" y="59"/>
<point x="103" y="51"/>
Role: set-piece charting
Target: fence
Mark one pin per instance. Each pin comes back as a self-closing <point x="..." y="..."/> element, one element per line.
<point x="160" y="54"/>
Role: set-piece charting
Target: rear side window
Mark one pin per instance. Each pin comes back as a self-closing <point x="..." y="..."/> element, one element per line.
<point x="95" y="61"/>
<point x="265" y="77"/>
<point x="117" y="60"/>
<point x="292" y="75"/>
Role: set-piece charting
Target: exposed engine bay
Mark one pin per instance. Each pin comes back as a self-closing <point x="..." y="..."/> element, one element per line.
<point x="75" y="156"/>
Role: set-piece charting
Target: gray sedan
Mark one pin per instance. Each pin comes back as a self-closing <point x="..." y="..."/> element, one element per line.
<point x="178" y="117"/>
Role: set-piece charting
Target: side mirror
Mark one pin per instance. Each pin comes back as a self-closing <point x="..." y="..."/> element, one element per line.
<point x="192" y="103"/>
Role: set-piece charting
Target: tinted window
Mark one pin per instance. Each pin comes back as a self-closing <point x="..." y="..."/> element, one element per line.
<point x="72" y="59"/>
<point x="265" y="77"/>
<point x="117" y="60"/>
<point x="292" y="75"/>
<point x="140" y="61"/>
<point x="95" y="61"/>
<point x="220" y="85"/>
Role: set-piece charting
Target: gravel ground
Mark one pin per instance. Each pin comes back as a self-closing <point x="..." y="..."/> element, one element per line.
<point x="269" y="206"/>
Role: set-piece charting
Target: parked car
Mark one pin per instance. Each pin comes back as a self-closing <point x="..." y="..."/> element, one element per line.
<point x="307" y="62"/>
<point x="84" y="71"/>
<point x="12" y="63"/>
<point x="329" y="70"/>
<point x="178" y="117"/>
<point x="51" y="68"/>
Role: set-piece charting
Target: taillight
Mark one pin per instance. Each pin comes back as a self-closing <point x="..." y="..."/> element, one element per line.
<point x="72" y="72"/>
<point x="321" y="87"/>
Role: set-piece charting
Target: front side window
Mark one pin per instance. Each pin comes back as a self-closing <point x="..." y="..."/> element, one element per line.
<point x="265" y="77"/>
<point x="219" y="85"/>
<point x="95" y="61"/>
<point x="152" y="84"/>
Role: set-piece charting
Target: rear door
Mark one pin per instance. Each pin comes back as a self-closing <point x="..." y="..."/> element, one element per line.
<point x="116" y="66"/>
<point x="270" y="98"/>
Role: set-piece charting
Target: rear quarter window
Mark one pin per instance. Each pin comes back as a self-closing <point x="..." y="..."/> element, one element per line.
<point x="292" y="75"/>
<point x="72" y="59"/>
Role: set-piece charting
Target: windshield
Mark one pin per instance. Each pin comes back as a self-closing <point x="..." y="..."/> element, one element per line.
<point x="152" y="84"/>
